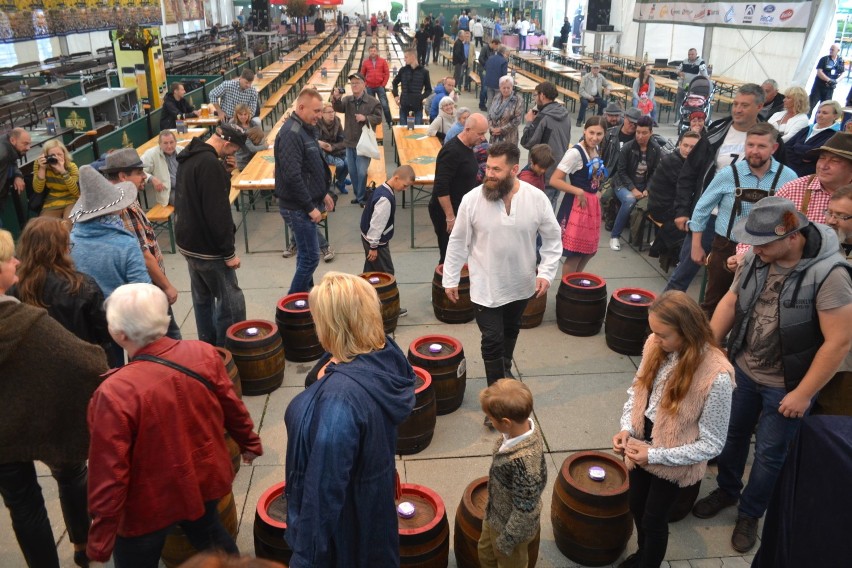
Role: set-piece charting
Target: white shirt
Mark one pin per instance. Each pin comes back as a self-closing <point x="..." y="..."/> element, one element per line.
<point x="524" y="27"/>
<point x="478" y="29"/>
<point x="499" y="248"/>
<point x="791" y="127"/>
<point x="509" y="443"/>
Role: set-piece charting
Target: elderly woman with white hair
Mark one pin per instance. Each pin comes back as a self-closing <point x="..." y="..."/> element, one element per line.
<point x="157" y="457"/>
<point x="462" y="113"/>
<point x="505" y="113"/>
<point x="445" y="119"/>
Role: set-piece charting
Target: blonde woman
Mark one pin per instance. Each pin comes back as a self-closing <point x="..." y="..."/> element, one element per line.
<point x="341" y="434"/>
<point x="794" y="117"/>
<point x="55" y="174"/>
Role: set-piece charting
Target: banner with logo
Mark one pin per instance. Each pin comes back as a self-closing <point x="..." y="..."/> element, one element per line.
<point x="780" y="16"/>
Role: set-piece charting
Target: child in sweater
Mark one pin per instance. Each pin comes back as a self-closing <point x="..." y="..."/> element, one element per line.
<point x="516" y="479"/>
<point x="675" y="419"/>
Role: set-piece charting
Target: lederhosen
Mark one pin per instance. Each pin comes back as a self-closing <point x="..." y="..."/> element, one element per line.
<point x="719" y="277"/>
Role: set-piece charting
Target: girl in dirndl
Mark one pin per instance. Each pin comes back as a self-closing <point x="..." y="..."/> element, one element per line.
<point x="580" y="212"/>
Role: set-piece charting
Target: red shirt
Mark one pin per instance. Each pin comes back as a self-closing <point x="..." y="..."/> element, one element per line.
<point x="376" y="73"/>
<point x="157" y="451"/>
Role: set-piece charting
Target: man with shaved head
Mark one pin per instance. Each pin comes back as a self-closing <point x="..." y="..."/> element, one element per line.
<point x="455" y="174"/>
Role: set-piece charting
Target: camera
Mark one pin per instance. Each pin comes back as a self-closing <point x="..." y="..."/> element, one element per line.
<point x="52" y="160"/>
<point x="341" y="90"/>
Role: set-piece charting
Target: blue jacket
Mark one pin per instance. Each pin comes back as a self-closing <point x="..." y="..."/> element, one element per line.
<point x="440" y="93"/>
<point x="341" y="441"/>
<point x="301" y="174"/>
<point x="107" y="252"/>
<point x="496" y="67"/>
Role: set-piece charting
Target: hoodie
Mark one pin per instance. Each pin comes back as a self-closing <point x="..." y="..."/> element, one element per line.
<point x="47" y="377"/>
<point x="340" y="470"/>
<point x="204" y="228"/>
<point x="552" y="126"/>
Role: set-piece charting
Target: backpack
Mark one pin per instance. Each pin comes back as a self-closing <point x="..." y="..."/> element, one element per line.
<point x="427" y="103"/>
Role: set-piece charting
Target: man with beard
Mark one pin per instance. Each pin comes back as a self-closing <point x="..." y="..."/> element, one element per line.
<point x="729" y="195"/>
<point x="495" y="234"/>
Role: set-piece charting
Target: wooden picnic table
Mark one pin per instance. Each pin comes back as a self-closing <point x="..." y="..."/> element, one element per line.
<point x="182" y="139"/>
<point x="210" y="121"/>
<point x="418" y="150"/>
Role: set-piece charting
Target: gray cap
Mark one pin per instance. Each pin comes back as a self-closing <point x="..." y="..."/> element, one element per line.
<point x="122" y="160"/>
<point x="613" y="108"/>
<point x="633" y="114"/>
<point x="772" y="218"/>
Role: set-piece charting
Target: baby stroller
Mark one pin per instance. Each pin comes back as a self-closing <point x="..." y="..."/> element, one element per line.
<point x="698" y="96"/>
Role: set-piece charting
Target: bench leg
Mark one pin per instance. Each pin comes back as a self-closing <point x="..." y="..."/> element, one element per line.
<point x="171" y="227"/>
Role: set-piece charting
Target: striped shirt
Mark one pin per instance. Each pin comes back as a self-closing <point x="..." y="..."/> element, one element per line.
<point x="795" y="191"/>
<point x="229" y="94"/>
<point x="720" y="193"/>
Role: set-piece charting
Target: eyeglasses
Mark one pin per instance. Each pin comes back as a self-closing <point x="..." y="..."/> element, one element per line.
<point x="829" y="214"/>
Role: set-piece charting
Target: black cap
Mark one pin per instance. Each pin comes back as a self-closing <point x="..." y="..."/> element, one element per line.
<point x="232" y="133"/>
<point x="356" y="76"/>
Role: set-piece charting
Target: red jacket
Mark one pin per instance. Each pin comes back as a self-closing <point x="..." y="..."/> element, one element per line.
<point x="157" y="451"/>
<point x="376" y="73"/>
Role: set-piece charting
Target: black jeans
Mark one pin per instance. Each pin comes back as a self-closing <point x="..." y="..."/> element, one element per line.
<point x="499" y="326"/>
<point x="651" y="502"/>
<point x="439" y="223"/>
<point x="405" y="107"/>
<point x="22" y="496"/>
<point x="383" y="262"/>
<point x="204" y="533"/>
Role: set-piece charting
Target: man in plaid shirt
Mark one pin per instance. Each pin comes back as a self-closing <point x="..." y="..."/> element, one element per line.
<point x="833" y="171"/>
<point x="229" y="94"/>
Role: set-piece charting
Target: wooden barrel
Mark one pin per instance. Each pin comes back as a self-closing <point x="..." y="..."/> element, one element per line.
<point x="443" y="357"/>
<point x="298" y="334"/>
<point x="468" y="529"/>
<point x="534" y="312"/>
<point x="445" y="310"/>
<point x="581" y="304"/>
<point x="270" y="524"/>
<point x="415" y="434"/>
<point x="233" y="372"/>
<point x="626" y="325"/>
<point x="424" y="539"/>
<point x="591" y="519"/>
<point x="385" y="285"/>
<point x="259" y="354"/>
<point x="177" y="548"/>
<point x="234" y="375"/>
<point x="685" y="500"/>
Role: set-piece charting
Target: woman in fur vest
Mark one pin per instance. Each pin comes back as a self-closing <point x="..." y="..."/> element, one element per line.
<point x="675" y="418"/>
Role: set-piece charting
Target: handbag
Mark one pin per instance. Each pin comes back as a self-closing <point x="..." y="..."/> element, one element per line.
<point x="368" y="145"/>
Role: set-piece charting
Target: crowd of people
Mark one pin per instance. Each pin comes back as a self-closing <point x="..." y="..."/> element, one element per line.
<point x="89" y="280"/>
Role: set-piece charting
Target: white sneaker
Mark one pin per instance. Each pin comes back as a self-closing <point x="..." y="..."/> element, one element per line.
<point x="614" y="244"/>
<point x="327" y="254"/>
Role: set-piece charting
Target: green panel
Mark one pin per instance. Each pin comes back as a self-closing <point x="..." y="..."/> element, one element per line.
<point x="130" y="136"/>
<point x="84" y="155"/>
<point x="155" y="121"/>
<point x="70" y="118"/>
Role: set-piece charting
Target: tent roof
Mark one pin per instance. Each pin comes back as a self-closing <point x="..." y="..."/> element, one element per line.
<point x="449" y="7"/>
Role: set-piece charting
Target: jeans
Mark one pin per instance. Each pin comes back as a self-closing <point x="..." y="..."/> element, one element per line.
<point x="752" y="404"/>
<point x="439" y="223"/>
<point x="23" y="497"/>
<point x="307" y="248"/>
<point x="436" y="49"/>
<point x="323" y="244"/>
<point x="686" y="270"/>
<point x="500" y="327"/>
<point x="357" y="166"/>
<point x="651" y="502"/>
<point x="340" y="172"/>
<point x="404" y="108"/>
<point x="173" y="332"/>
<point x="522" y="42"/>
<point x="217" y="299"/>
<point x="381" y="94"/>
<point x="383" y="262"/>
<point x="204" y="533"/>
<point x="483" y="90"/>
<point x="460" y="72"/>
<point x="553" y="195"/>
<point x="628" y="201"/>
<point x="584" y="104"/>
<point x="492" y="92"/>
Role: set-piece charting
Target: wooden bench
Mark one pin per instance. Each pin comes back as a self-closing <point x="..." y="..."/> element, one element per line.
<point x="477" y="82"/>
<point x="723" y="99"/>
<point x="161" y="217"/>
<point x="664" y="103"/>
<point x="270" y="106"/>
<point x="567" y="93"/>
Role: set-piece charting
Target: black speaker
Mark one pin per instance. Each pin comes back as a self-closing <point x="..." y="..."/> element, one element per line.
<point x="260" y="13"/>
<point x="598" y="14"/>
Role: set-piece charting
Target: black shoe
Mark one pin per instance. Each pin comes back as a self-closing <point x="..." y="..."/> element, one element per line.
<point x="631" y="561"/>
<point x="482" y="108"/>
<point x="80" y="559"/>
<point x="507" y="366"/>
<point x="402" y="312"/>
<point x="354" y="202"/>
<point x="579" y="124"/>
<point x="745" y="534"/>
<point x="711" y="505"/>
